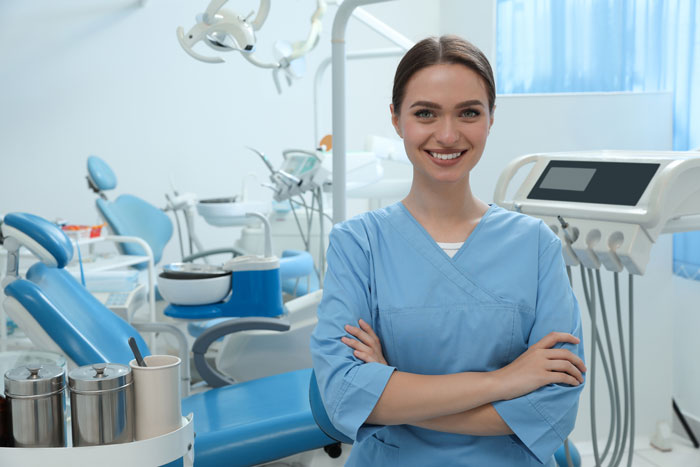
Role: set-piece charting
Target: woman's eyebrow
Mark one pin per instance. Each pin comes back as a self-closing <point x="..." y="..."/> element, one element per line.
<point x="470" y="103"/>
<point x="433" y="105"/>
<point x="428" y="104"/>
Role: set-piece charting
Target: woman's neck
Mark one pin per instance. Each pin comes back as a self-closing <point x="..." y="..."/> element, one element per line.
<point x="449" y="212"/>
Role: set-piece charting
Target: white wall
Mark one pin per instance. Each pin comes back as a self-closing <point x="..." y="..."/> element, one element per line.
<point x="475" y="20"/>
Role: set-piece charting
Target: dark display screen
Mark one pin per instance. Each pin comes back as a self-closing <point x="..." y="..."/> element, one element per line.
<point x="621" y="183"/>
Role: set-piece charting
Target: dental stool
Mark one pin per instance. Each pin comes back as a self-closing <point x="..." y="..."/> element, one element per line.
<point x="243" y="424"/>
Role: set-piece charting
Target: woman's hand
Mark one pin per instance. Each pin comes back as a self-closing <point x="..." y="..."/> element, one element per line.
<point x="367" y="348"/>
<point x="541" y="365"/>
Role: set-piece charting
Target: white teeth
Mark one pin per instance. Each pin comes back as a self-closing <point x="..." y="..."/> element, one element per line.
<point x="445" y="157"/>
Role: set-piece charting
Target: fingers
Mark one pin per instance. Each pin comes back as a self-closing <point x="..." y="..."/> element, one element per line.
<point x="356" y="345"/>
<point x="563" y="378"/>
<point x="569" y="368"/>
<point x="553" y="338"/>
<point x="563" y="354"/>
<point x="365" y="334"/>
<point x="367" y="347"/>
<point x="360" y="350"/>
<point x="368" y="329"/>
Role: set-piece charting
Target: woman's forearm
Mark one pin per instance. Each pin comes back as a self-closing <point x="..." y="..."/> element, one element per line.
<point x="480" y="421"/>
<point x="409" y="398"/>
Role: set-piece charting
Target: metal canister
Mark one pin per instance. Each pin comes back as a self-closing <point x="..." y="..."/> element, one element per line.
<point x="102" y="404"/>
<point x="36" y="395"/>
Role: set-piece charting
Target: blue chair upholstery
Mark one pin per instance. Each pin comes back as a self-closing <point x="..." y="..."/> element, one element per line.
<point x="101" y="174"/>
<point x="265" y="419"/>
<point x="50" y="243"/>
<point x="244" y="424"/>
<point x="132" y="216"/>
<point x="62" y="307"/>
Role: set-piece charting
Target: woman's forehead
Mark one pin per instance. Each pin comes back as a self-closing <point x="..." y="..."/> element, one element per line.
<point x="445" y="84"/>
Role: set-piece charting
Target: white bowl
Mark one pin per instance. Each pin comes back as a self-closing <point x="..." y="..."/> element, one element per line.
<point x="220" y="213"/>
<point x="194" y="291"/>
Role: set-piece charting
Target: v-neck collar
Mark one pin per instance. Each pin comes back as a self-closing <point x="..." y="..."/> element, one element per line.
<point x="405" y="225"/>
<point x="465" y="244"/>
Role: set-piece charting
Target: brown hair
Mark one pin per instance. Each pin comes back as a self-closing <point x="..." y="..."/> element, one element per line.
<point x="437" y="50"/>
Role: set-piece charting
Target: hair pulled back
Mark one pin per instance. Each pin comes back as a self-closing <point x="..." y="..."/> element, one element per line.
<point x="438" y="50"/>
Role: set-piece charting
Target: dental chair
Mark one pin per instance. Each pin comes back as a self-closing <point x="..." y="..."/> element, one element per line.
<point x="132" y="216"/>
<point x="243" y="424"/>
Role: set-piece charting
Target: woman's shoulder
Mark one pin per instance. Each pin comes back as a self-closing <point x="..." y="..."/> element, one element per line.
<point x="366" y="224"/>
<point x="521" y="226"/>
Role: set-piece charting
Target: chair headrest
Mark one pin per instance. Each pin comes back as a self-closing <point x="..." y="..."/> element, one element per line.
<point x="100" y="174"/>
<point x="46" y="240"/>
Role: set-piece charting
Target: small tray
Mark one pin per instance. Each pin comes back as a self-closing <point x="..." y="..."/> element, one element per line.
<point x="146" y="453"/>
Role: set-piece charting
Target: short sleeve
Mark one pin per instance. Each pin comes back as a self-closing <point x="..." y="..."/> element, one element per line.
<point x="349" y="387"/>
<point x="542" y="419"/>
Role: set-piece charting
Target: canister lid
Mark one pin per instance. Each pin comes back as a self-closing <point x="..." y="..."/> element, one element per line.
<point x="34" y="380"/>
<point x="99" y="377"/>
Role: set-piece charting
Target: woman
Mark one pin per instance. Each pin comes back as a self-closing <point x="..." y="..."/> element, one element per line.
<point x="468" y="347"/>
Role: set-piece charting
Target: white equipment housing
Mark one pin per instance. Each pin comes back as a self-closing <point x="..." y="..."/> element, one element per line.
<point x="613" y="204"/>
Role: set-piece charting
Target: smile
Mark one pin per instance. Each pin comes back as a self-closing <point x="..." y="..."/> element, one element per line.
<point x="445" y="157"/>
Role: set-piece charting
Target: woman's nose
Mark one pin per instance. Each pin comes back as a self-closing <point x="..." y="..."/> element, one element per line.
<point x="446" y="132"/>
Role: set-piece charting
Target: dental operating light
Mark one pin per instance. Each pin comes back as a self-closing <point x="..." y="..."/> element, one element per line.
<point x="224" y="31"/>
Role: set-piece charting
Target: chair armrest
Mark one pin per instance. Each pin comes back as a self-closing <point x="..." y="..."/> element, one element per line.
<point x="213" y="377"/>
<point x="215" y="251"/>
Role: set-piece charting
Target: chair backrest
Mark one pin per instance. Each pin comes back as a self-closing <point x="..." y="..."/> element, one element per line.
<point x="132" y="216"/>
<point x="73" y="319"/>
<point x="44" y="239"/>
<point x="100" y="175"/>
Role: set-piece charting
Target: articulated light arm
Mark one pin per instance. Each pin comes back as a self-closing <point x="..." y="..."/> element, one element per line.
<point x="224" y="31"/>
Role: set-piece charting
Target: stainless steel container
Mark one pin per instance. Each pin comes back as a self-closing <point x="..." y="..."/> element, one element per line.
<point x="102" y="404"/>
<point x="37" y="403"/>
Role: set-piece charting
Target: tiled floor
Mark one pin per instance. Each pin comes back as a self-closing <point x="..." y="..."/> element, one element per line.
<point x="682" y="455"/>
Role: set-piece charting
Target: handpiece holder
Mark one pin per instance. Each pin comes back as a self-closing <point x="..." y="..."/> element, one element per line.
<point x="607" y="207"/>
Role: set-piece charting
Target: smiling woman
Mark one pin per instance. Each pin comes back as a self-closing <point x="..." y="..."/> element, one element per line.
<point x="432" y="357"/>
<point x="438" y="130"/>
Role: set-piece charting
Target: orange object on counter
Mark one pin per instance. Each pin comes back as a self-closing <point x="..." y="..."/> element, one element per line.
<point x="83" y="231"/>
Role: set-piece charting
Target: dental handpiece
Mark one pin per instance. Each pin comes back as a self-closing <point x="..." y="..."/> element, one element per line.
<point x="565" y="229"/>
<point x="264" y="159"/>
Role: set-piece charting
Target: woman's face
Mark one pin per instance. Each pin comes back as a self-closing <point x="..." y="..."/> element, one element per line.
<point x="444" y="122"/>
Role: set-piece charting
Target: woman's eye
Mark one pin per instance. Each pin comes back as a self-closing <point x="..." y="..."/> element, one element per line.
<point x="424" y="113"/>
<point x="470" y="113"/>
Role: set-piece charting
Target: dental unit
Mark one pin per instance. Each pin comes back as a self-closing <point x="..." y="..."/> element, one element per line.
<point x="608" y="208"/>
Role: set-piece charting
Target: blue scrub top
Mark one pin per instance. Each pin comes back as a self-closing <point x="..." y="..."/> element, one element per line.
<point x="503" y="291"/>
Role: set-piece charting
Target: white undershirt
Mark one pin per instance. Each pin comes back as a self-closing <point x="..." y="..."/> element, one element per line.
<point x="450" y="248"/>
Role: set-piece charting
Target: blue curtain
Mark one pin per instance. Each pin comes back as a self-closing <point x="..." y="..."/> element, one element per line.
<point x="609" y="45"/>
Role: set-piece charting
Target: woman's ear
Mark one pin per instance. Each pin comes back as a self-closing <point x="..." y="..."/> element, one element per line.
<point x="395" y="121"/>
<point x="493" y="111"/>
